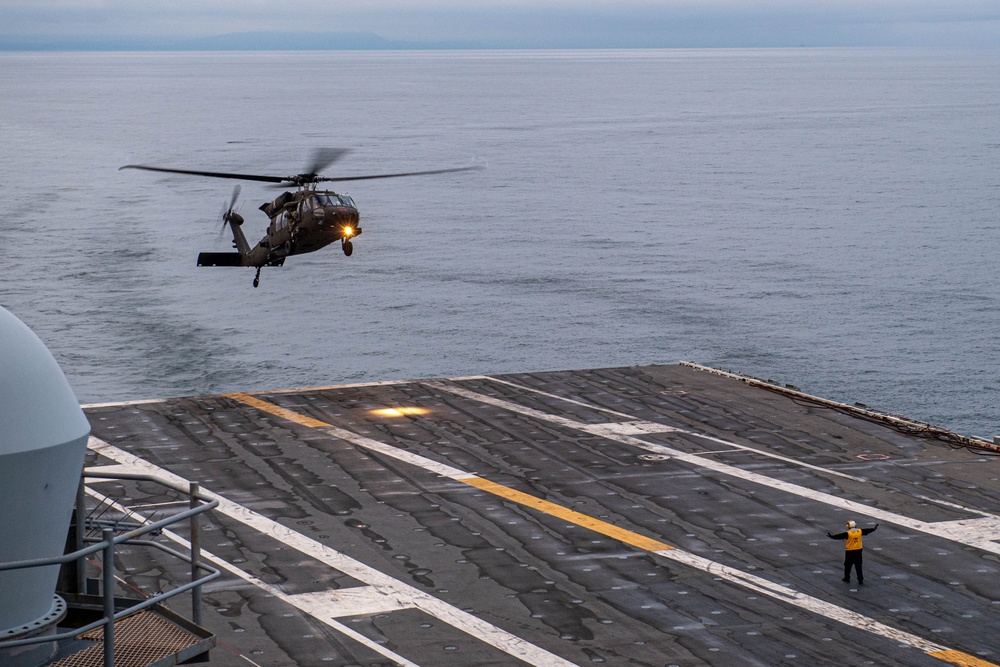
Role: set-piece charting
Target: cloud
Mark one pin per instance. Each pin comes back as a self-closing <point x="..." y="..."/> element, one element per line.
<point x="531" y="23"/>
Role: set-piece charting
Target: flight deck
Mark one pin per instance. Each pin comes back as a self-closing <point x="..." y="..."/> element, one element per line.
<point x="649" y="515"/>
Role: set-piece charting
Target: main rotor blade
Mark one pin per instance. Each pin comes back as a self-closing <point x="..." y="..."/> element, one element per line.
<point x="214" y="174"/>
<point x="408" y="173"/>
<point x="324" y="157"/>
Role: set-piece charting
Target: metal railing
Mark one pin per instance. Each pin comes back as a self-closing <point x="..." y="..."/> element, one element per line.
<point x="198" y="505"/>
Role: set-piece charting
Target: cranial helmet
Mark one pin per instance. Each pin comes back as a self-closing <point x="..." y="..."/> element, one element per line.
<point x="851" y="524"/>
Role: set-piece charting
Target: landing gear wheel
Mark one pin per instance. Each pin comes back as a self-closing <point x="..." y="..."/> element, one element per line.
<point x="348" y="248"/>
<point x="256" y="278"/>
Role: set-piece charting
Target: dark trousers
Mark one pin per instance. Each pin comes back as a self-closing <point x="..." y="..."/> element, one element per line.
<point x="853" y="559"/>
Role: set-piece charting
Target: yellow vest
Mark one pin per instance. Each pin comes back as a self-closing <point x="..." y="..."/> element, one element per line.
<point x="854" y="539"/>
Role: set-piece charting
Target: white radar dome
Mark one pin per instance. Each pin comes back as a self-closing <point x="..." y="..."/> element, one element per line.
<point x="43" y="440"/>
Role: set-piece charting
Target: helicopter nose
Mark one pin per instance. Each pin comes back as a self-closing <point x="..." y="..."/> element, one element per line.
<point x="339" y="213"/>
<point x="348" y="217"/>
<point x="350" y="224"/>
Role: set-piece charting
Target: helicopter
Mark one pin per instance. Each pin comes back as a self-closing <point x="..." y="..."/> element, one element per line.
<point x="304" y="220"/>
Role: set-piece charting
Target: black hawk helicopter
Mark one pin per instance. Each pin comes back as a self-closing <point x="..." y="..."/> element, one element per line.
<point x="301" y="221"/>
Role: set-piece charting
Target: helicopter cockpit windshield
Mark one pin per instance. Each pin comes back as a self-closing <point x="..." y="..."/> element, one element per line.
<point x="330" y="199"/>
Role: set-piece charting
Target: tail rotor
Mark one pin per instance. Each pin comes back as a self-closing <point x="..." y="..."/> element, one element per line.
<point x="229" y="215"/>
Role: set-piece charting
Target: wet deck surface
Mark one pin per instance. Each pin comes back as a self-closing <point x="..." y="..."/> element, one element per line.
<point x="633" y="516"/>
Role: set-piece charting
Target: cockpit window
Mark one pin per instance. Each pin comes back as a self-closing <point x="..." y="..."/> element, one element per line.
<point x="328" y="200"/>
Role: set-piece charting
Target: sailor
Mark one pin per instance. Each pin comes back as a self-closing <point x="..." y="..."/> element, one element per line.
<point x="853" y="551"/>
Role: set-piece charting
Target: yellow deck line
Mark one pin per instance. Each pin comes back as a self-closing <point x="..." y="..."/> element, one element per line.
<point x="628" y="537"/>
<point x="960" y="659"/>
<point x="596" y="525"/>
<point x="277" y="410"/>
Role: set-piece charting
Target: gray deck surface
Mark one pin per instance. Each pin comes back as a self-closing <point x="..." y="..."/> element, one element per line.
<point x="654" y="515"/>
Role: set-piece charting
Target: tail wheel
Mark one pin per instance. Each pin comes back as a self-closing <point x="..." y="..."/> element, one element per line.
<point x="348" y="248"/>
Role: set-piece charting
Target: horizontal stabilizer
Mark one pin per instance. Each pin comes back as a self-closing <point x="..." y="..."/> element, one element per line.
<point x="219" y="259"/>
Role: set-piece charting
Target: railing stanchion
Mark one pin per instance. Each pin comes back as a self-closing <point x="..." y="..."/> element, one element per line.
<point x="81" y="519"/>
<point x="109" y="597"/>
<point x="195" y="556"/>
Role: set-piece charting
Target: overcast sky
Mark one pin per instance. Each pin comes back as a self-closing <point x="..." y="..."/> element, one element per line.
<point x="527" y="23"/>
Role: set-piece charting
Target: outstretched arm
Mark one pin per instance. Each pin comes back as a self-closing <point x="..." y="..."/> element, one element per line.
<point x="838" y="536"/>
<point x="867" y="531"/>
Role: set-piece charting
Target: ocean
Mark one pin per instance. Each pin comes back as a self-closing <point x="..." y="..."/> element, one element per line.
<point x="828" y="218"/>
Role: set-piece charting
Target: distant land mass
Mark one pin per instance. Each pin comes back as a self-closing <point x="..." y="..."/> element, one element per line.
<point x="242" y="41"/>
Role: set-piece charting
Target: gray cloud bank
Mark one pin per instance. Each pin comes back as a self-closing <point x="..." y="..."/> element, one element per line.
<point x="220" y="25"/>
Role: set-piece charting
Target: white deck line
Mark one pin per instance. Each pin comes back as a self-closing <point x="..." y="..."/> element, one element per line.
<point x="115" y="404"/>
<point x="944" y="529"/>
<point x="399" y="454"/>
<point x="315" y="608"/>
<point x="383" y="583"/>
<point x="638" y="427"/>
<point x="808" y="602"/>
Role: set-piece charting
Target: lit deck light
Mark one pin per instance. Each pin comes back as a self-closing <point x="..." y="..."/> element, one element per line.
<point x="399" y="412"/>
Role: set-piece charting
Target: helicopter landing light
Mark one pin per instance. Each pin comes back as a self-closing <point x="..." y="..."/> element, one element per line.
<point x="348" y="231"/>
<point x="399" y="412"/>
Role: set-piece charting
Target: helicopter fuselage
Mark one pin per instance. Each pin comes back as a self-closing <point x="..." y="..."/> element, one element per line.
<point x="299" y="222"/>
<point x="305" y="221"/>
